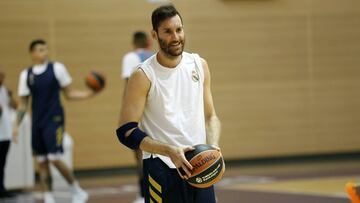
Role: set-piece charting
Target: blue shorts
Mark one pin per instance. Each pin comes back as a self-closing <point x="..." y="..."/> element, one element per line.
<point x="163" y="184"/>
<point x="47" y="137"/>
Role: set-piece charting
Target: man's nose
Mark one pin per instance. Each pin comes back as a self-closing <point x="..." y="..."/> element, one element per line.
<point x="175" y="36"/>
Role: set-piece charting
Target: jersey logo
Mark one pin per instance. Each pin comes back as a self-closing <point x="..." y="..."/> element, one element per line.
<point x="195" y="76"/>
<point x="31" y="79"/>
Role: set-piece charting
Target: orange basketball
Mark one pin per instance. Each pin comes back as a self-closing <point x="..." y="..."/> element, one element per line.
<point x="208" y="166"/>
<point x="95" y="81"/>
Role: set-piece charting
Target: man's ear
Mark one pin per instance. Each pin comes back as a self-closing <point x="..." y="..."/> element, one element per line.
<point x="154" y="35"/>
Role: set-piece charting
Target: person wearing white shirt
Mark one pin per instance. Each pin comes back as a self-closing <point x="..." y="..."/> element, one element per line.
<point x="132" y="60"/>
<point x="7" y="104"/>
<point x="43" y="82"/>
<point x="141" y="52"/>
<point x="167" y="109"/>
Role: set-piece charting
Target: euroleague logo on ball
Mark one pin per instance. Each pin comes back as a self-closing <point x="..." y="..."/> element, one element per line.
<point x="198" y="180"/>
<point x="203" y="160"/>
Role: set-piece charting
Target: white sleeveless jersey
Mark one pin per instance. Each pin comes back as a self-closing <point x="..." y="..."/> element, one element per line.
<point x="174" y="111"/>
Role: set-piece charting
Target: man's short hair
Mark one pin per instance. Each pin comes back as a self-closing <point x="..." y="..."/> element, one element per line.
<point x="36" y="42"/>
<point x="161" y="14"/>
<point x="140" y="39"/>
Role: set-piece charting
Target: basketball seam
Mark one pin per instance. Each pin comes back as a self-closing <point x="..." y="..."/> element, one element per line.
<point x="99" y="78"/>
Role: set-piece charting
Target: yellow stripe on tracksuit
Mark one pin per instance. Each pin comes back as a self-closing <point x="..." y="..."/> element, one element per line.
<point x="155" y="184"/>
<point x="153" y="194"/>
<point x="59" y="135"/>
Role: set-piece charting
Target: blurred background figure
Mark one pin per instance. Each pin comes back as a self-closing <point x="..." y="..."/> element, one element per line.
<point x="43" y="82"/>
<point x="7" y="103"/>
<point x="141" y="52"/>
<point x="130" y="62"/>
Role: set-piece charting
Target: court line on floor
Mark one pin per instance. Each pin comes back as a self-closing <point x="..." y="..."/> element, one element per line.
<point x="227" y="181"/>
<point x="335" y="196"/>
<point x="240" y="183"/>
<point x="98" y="191"/>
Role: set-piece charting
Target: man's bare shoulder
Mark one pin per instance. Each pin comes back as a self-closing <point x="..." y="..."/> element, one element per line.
<point x="139" y="79"/>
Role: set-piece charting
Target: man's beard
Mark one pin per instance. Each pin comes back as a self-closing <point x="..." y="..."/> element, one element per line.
<point x="169" y="50"/>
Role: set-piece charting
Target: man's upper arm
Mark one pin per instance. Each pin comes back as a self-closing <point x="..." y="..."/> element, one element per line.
<point x="24" y="100"/>
<point x="23" y="89"/>
<point x="208" y="100"/>
<point x="64" y="78"/>
<point x="62" y="75"/>
<point x="135" y="96"/>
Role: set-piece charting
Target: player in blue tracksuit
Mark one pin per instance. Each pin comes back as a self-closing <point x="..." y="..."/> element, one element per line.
<point x="43" y="82"/>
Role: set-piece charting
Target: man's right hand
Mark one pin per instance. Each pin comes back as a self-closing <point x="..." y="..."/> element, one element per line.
<point x="177" y="156"/>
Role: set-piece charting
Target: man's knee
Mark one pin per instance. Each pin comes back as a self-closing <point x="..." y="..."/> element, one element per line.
<point x="54" y="159"/>
<point x="41" y="160"/>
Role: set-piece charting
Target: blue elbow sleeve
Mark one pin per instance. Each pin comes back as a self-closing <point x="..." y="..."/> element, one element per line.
<point x="134" y="139"/>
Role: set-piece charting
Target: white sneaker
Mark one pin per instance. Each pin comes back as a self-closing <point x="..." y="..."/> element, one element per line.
<point x="48" y="198"/>
<point x="78" y="194"/>
<point x="80" y="197"/>
<point x="139" y="200"/>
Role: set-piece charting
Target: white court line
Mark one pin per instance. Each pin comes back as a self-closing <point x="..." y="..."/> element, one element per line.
<point x="263" y="180"/>
<point x="313" y="194"/>
<point x="244" y="180"/>
<point x="98" y="191"/>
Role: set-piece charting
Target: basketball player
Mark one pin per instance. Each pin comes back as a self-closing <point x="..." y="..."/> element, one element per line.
<point x="43" y="82"/>
<point x="353" y="191"/>
<point x="168" y="108"/>
<point x="141" y="52"/>
<point x="131" y="60"/>
<point x="7" y="103"/>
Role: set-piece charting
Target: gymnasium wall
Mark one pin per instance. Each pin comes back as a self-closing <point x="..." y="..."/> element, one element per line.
<point x="285" y="73"/>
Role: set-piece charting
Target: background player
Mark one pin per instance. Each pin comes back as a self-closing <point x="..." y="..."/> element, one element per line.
<point x="171" y="98"/>
<point x="130" y="62"/>
<point x="141" y="52"/>
<point x="7" y="103"/>
<point x="43" y="82"/>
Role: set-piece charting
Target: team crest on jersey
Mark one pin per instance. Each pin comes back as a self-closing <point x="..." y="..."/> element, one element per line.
<point x="31" y="79"/>
<point x="195" y="76"/>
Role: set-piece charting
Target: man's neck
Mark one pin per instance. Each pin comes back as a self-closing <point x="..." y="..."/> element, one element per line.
<point x="166" y="61"/>
<point x="39" y="62"/>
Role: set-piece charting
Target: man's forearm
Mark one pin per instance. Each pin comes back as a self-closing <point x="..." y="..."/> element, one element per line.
<point x="21" y="111"/>
<point x="176" y="154"/>
<point x="20" y="115"/>
<point x="213" y="129"/>
<point x="155" y="147"/>
<point x="79" y="95"/>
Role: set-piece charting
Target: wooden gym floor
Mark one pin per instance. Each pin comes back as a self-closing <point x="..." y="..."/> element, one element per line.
<point x="294" y="182"/>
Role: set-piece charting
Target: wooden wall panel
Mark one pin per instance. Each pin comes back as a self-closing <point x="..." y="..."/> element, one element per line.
<point x="285" y="73"/>
<point x="336" y="74"/>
